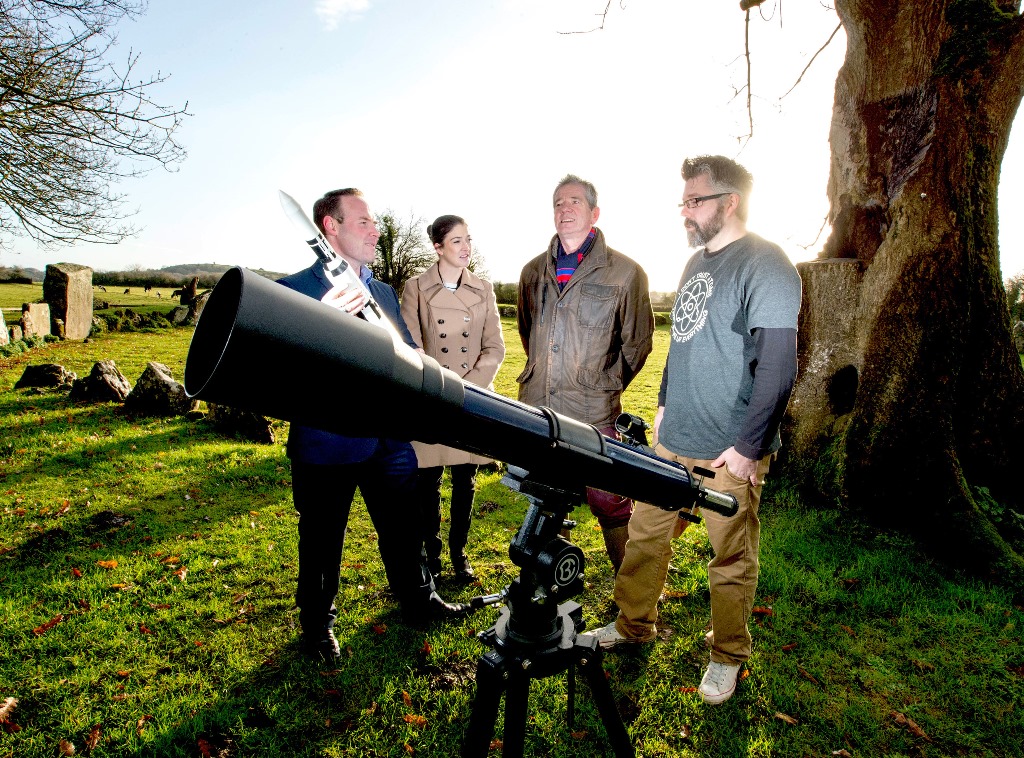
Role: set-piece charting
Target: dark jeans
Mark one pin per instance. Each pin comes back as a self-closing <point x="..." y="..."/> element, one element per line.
<point x="323" y="497"/>
<point x="428" y="499"/>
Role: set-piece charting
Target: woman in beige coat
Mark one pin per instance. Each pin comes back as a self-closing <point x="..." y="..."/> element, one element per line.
<point x="453" y="314"/>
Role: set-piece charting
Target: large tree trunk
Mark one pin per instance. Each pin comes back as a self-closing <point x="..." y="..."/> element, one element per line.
<point x="911" y="394"/>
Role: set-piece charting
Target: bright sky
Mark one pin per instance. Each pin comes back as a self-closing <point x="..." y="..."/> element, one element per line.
<point x="478" y="108"/>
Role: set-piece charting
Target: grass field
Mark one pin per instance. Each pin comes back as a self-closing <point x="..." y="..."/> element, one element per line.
<point x="147" y="571"/>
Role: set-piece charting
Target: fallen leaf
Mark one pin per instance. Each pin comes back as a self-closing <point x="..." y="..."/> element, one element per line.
<point x="64" y="508"/>
<point x="426" y="648"/>
<point x="806" y="675"/>
<point x="380" y="628"/>
<point x="77" y="573"/>
<point x="911" y="725"/>
<point x="142" y="723"/>
<point x="743" y="674"/>
<point x="205" y="748"/>
<point x="850" y="583"/>
<point x="685" y="732"/>
<point x="408" y="748"/>
<point x="7" y="708"/>
<point x="332" y="672"/>
<point x="124" y="673"/>
<point x="687" y="689"/>
<point x="790" y="646"/>
<point x="784" y="717"/>
<point x="94" y="737"/>
<point x="332" y="693"/>
<point x="417" y="721"/>
<point x="848" y="630"/>
<point x="762" y="610"/>
<point x="42" y="629"/>
<point x="171" y="559"/>
<point x="198" y="643"/>
<point x="107" y="564"/>
<point x="66" y="748"/>
<point x="159" y="606"/>
<point x="496" y="745"/>
<point x="145" y="630"/>
<point x="580" y="735"/>
<point x="371" y="710"/>
<point x="181" y="573"/>
<point x="407" y="699"/>
<point x="842" y="753"/>
<point x="121" y="586"/>
<point x="924" y="665"/>
<point x="239" y="598"/>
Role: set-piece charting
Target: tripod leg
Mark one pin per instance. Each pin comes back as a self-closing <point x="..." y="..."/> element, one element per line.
<point x="517" y="696"/>
<point x="570" y="687"/>
<point x="490" y="683"/>
<point x="590" y="663"/>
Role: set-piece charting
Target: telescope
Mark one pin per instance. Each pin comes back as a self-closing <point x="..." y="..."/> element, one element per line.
<point x="265" y="348"/>
<point x="262" y="347"/>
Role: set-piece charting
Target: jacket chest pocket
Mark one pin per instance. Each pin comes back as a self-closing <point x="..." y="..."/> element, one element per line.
<point x="597" y="305"/>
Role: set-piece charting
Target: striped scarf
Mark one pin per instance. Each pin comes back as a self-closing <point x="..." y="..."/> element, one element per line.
<point x="566" y="263"/>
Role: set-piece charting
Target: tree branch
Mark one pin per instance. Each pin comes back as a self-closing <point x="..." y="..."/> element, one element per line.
<point x="811" y="61"/>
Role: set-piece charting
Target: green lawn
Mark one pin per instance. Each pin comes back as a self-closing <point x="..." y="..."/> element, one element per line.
<point x="147" y="568"/>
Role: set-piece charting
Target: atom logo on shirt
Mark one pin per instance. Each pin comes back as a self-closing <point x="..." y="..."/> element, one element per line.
<point x="690" y="311"/>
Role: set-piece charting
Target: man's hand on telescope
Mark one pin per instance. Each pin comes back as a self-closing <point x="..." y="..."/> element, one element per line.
<point x="739" y="465"/>
<point x="349" y="299"/>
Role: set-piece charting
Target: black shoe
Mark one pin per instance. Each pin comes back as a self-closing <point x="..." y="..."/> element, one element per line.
<point x="322" y="645"/>
<point x="463" y="570"/>
<point x="435" y="609"/>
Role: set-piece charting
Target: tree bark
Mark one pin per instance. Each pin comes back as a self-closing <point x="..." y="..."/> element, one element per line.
<point x="910" y="397"/>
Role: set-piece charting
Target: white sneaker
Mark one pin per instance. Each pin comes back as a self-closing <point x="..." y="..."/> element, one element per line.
<point x="609" y="637"/>
<point x="719" y="682"/>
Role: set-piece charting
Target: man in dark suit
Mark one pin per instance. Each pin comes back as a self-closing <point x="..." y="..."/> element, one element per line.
<point x="327" y="467"/>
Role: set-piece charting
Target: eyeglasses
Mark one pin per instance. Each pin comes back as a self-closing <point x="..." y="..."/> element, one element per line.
<point x="697" y="202"/>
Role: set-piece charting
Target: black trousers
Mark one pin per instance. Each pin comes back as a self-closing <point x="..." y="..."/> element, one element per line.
<point x="323" y="497"/>
<point x="428" y="497"/>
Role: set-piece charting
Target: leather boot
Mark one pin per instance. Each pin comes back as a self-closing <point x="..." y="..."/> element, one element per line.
<point x="615" y="543"/>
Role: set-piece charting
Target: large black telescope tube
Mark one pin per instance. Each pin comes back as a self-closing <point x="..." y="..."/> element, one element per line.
<point x="264" y="348"/>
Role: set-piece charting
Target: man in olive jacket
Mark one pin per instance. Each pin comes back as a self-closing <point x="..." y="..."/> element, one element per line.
<point x="586" y="323"/>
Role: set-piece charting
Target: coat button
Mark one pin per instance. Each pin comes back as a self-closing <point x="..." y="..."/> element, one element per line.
<point x="444" y="350"/>
<point x="443" y="335"/>
<point x="465" y="349"/>
<point x="464" y="334"/>
<point x="554" y="348"/>
<point x="440" y="321"/>
<point x="465" y="365"/>
<point x="465" y="318"/>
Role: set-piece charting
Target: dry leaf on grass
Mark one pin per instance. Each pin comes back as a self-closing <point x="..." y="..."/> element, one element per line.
<point x="911" y="725"/>
<point x="762" y="610"/>
<point x="787" y="718"/>
<point x="803" y="672"/>
<point x="7" y="708"/>
<point x="842" y="753"/>
<point x="109" y="565"/>
<point x="142" y="723"/>
<point x="66" y="748"/>
<point x="417" y="721"/>
<point x="94" y="737"/>
<point x="205" y="748"/>
<point x="42" y="629"/>
<point x="407" y="699"/>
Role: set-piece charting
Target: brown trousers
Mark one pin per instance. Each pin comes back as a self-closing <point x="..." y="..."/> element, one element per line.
<point x="732" y="573"/>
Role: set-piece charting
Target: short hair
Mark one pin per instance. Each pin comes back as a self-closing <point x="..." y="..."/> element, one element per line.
<point x="725" y="175"/>
<point x="438" y="230"/>
<point x="330" y="205"/>
<point x="589" y="190"/>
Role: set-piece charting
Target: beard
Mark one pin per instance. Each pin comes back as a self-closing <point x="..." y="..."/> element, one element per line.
<point x="699" y="236"/>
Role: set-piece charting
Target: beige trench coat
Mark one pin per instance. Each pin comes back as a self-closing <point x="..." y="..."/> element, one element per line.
<point x="461" y="330"/>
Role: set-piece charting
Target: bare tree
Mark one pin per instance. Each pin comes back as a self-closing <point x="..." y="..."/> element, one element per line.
<point x="72" y="124"/>
<point x="402" y="250"/>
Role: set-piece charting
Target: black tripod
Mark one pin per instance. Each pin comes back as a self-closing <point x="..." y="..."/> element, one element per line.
<point x="536" y="634"/>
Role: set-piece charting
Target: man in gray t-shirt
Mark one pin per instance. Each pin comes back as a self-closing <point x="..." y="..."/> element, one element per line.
<point x="730" y="370"/>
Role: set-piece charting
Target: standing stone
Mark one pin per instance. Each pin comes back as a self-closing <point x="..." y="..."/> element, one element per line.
<point x="15" y="332"/>
<point x="35" y="319"/>
<point x="67" y="288"/>
<point x="157" y="394"/>
<point x="4" y="336"/>
<point x="45" y="375"/>
<point x="105" y="382"/>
